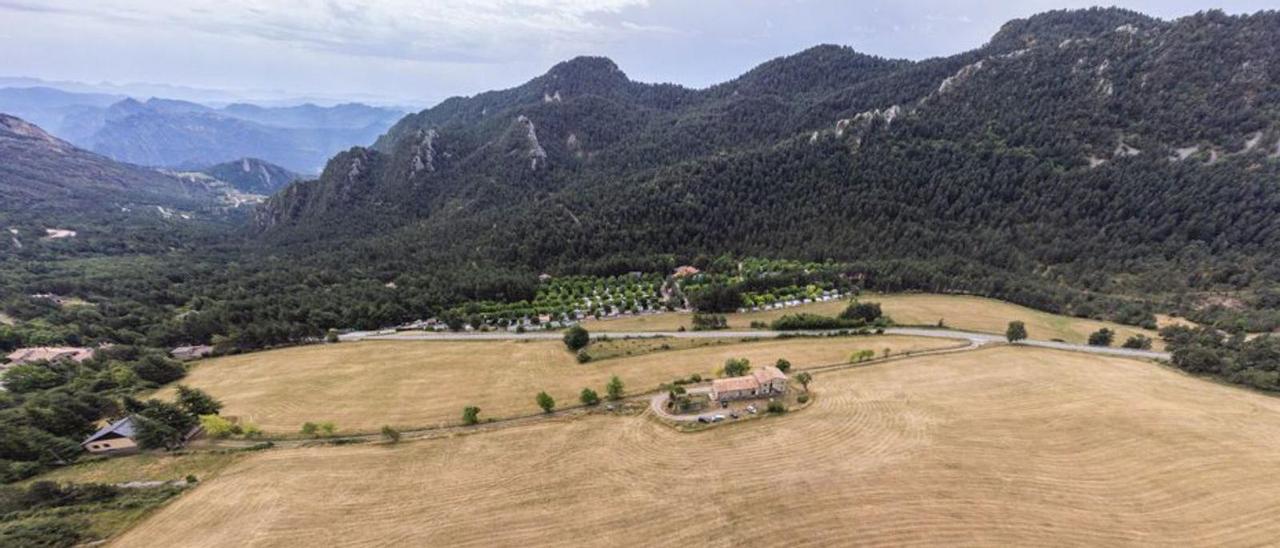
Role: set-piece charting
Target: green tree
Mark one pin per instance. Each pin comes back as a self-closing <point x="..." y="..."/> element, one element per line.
<point x="614" y="388"/>
<point x="577" y="338"/>
<point x="197" y="402"/>
<point x="783" y="365"/>
<point x="1102" y="337"/>
<point x="867" y="312"/>
<point x="736" y="367"/>
<point x="589" y="397"/>
<point x="546" y="402"/>
<point x="1138" y="342"/>
<point x="390" y="434"/>
<point x="804" y="378"/>
<point x="310" y="429"/>
<point x="470" y="415"/>
<point x="217" y="427"/>
<point x="1017" y="331"/>
<point x="327" y="428"/>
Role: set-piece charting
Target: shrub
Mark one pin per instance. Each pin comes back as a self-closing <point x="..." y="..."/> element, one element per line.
<point x="470" y="415"/>
<point x="776" y="407"/>
<point x="794" y="322"/>
<point x="866" y="312"/>
<point x="709" y="322"/>
<point x="589" y="397"/>
<point x="1016" y="331"/>
<point x="310" y="429"/>
<point x="192" y="479"/>
<point x="583" y="357"/>
<point x="577" y="338"/>
<point x="331" y="336"/>
<point x="1138" y="342"/>
<point x="546" y="402"/>
<point x="217" y="427"/>
<point x="390" y="434"/>
<point x="783" y="365"/>
<point x="736" y="367"/>
<point x="803" y="398"/>
<point x="1102" y="337"/>
<point x="614" y="388"/>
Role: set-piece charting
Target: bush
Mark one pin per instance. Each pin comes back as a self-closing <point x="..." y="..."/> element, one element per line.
<point x="709" y="322"/>
<point x="795" y="322"/>
<point x="577" y="338"/>
<point x="736" y="367"/>
<point x="218" y="427"/>
<point x="1138" y="342"/>
<point x="802" y="398"/>
<point x="390" y="434"/>
<point x="783" y="365"/>
<point x="866" y="312"/>
<point x="546" y="402"/>
<point x="582" y="356"/>
<point x="589" y="397"/>
<point x="1102" y="337"/>
<point x="470" y="415"/>
<point x="776" y="407"/>
<point x="192" y="479"/>
<point x="1017" y="331"/>
<point x="614" y="388"/>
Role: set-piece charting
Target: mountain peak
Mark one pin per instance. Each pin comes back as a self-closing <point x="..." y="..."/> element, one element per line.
<point x="14" y="127"/>
<point x="584" y="75"/>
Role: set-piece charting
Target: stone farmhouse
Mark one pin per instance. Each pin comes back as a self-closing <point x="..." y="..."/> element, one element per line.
<point x="763" y="383"/>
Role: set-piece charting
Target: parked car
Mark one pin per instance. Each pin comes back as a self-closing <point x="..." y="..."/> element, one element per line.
<point x="703" y="420"/>
<point x="751" y="409"/>
<point x="734" y="415"/>
<point x="717" y="418"/>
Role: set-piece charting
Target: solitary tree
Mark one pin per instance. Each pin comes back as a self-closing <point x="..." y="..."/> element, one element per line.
<point x="1102" y="337"/>
<point x="783" y="365"/>
<point x="471" y="414"/>
<point x="589" y="397"/>
<point x="804" y="378"/>
<point x="310" y="429"/>
<point x="1017" y="331"/>
<point x="546" y="402"/>
<point x="390" y="434"/>
<point x="614" y="388"/>
<point x="736" y="367"/>
<point x="577" y="338"/>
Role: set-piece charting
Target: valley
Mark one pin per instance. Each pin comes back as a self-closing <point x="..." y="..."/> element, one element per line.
<point x="1020" y="289"/>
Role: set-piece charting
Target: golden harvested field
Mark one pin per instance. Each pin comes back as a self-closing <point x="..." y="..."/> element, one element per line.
<point x="998" y="447"/>
<point x="362" y="386"/>
<point x="958" y="311"/>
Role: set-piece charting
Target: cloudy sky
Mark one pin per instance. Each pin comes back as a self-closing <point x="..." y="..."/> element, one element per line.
<point x="417" y="52"/>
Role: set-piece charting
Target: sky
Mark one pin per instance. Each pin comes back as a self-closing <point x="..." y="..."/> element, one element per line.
<point x="416" y="53"/>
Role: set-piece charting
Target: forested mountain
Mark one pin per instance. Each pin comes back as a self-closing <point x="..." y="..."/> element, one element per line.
<point x="252" y="175"/>
<point x="41" y="172"/>
<point x="1099" y="149"/>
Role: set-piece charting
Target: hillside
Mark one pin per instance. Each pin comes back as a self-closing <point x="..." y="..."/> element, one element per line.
<point x="1102" y="149"/>
<point x="252" y="175"/>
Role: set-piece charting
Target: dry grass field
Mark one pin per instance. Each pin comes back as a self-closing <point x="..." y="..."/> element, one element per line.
<point x="1005" y="446"/>
<point x="958" y="312"/>
<point x="362" y="386"/>
<point x="143" y="467"/>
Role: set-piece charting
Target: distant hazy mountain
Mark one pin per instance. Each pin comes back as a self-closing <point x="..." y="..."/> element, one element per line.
<point x="181" y="134"/>
<point x="41" y="172"/>
<point x="252" y="175"/>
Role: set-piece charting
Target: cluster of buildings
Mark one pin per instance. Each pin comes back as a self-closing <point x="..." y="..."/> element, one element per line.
<point x="826" y="296"/>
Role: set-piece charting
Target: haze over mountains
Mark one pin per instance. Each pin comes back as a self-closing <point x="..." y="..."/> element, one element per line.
<point x="181" y="134"/>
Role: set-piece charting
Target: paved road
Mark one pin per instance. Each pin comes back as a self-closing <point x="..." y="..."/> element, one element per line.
<point x="972" y="336"/>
